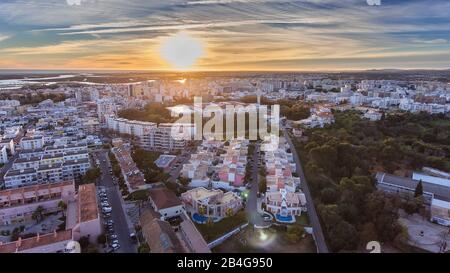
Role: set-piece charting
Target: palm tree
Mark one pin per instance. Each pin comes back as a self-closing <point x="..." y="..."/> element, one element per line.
<point x="37" y="214"/>
<point x="202" y="210"/>
<point x="63" y="206"/>
<point x="229" y="212"/>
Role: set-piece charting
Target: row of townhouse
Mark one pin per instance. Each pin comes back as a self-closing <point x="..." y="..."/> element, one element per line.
<point x="48" y="164"/>
<point x="134" y="178"/>
<point x="151" y="136"/>
<point x="283" y="197"/>
<point x="231" y="170"/>
<point x="82" y="214"/>
<point x="198" y="167"/>
<point x="225" y="162"/>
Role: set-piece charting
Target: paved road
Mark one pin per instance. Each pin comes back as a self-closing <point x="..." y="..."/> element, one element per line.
<point x="252" y="201"/>
<point x="313" y="217"/>
<point x="121" y="224"/>
<point x="6" y="167"/>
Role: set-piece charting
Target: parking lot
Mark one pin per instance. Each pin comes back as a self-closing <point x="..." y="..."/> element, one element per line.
<point x="426" y="235"/>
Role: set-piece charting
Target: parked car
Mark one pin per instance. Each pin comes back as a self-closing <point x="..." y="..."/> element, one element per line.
<point x="106" y="209"/>
<point x="115" y="246"/>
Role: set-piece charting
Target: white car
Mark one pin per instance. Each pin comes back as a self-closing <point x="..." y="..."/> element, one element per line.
<point x="106" y="209"/>
<point x="115" y="246"/>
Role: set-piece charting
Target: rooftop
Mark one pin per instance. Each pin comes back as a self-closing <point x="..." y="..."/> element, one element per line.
<point x="164" y="198"/>
<point x="159" y="234"/>
<point x="164" y="160"/>
<point x="439" y="191"/>
<point x="87" y="203"/>
<point x="37" y="241"/>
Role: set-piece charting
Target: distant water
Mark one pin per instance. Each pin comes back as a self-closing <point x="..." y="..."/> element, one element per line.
<point x="18" y="83"/>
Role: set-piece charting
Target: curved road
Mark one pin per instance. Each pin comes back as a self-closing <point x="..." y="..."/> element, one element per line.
<point x="313" y="217"/>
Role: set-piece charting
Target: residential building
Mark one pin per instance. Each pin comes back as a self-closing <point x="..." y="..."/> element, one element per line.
<point x="55" y="242"/>
<point x="440" y="212"/>
<point x="133" y="177"/>
<point x="165" y="202"/>
<point x="372" y="115"/>
<point x="30" y="143"/>
<point x="3" y="155"/>
<point x="159" y="234"/>
<point x="150" y="135"/>
<point x="214" y="204"/>
<point x="87" y="217"/>
<point x="285" y="203"/>
<point x="18" y="205"/>
<point x="9" y="144"/>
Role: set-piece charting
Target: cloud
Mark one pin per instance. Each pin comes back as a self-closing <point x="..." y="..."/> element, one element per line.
<point x="75" y="2"/>
<point x="251" y="32"/>
<point x="430" y="42"/>
<point x="3" y="37"/>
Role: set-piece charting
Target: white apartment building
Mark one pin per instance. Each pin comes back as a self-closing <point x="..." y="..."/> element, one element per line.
<point x="52" y="164"/>
<point x="150" y="135"/>
<point x="372" y="115"/>
<point x="34" y="142"/>
<point x="3" y="155"/>
<point x="9" y="103"/>
<point x="12" y="132"/>
<point x="104" y="109"/>
<point x="9" y="144"/>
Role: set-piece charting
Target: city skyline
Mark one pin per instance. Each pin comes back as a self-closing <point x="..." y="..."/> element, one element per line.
<point x="240" y="35"/>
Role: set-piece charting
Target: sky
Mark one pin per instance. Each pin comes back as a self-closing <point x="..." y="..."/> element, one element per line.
<point x="234" y="34"/>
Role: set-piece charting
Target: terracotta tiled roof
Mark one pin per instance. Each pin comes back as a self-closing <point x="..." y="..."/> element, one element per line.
<point x="164" y="198"/>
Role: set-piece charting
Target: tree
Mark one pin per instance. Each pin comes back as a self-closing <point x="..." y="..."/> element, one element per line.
<point x="84" y="242"/>
<point x="101" y="239"/>
<point x="144" y="248"/>
<point x="343" y="236"/>
<point x="419" y="189"/>
<point x="37" y="215"/>
<point x="262" y="185"/>
<point x="330" y="215"/>
<point x="202" y="210"/>
<point x="229" y="212"/>
<point x="368" y="233"/>
<point x="294" y="233"/>
<point x="329" y="195"/>
<point x="91" y="176"/>
<point x="62" y="206"/>
<point x="184" y="181"/>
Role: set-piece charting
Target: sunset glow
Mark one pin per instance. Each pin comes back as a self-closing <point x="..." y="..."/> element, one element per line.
<point x="181" y="51"/>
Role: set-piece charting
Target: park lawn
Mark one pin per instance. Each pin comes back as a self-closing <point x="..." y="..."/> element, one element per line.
<point x="303" y="219"/>
<point x="214" y="230"/>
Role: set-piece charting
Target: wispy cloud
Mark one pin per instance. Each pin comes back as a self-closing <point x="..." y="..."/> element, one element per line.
<point x="3" y="37"/>
<point x="430" y="42"/>
<point x="237" y="33"/>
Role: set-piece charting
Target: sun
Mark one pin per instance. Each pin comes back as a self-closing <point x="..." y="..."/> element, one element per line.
<point x="181" y="50"/>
